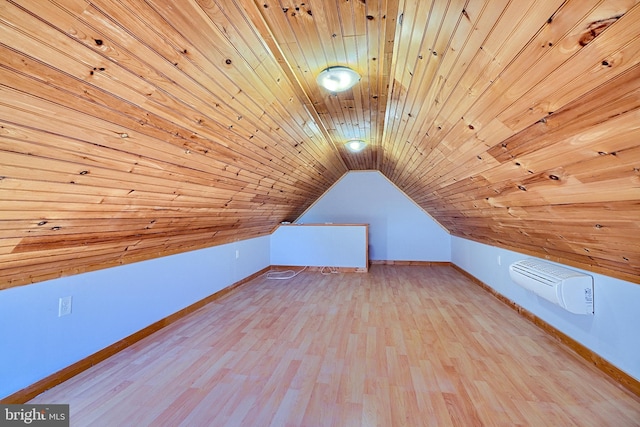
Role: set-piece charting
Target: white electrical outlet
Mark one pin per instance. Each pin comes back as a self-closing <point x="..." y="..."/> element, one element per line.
<point x="64" y="306"/>
<point x="237" y="253"/>
<point x="499" y="260"/>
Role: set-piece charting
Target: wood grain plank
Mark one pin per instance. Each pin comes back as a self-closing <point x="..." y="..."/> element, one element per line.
<point x="427" y="359"/>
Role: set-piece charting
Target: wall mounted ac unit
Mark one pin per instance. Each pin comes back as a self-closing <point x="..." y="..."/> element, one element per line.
<point x="567" y="288"/>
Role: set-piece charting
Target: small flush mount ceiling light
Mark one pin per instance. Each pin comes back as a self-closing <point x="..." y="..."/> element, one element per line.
<point x="337" y="79"/>
<point x="355" y="145"/>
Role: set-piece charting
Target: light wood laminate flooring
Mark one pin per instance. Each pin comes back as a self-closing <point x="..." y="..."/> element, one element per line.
<point x="399" y="346"/>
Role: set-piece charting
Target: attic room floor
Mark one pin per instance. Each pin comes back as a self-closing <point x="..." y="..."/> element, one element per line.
<point x="400" y="346"/>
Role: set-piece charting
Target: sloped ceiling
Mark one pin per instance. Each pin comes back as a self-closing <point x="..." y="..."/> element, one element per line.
<point x="131" y="129"/>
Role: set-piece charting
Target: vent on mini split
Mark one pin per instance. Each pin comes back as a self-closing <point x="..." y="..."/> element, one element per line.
<point x="567" y="288"/>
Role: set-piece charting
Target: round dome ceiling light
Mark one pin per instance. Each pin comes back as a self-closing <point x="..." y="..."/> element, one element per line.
<point x="355" y="145"/>
<point x="338" y="79"/>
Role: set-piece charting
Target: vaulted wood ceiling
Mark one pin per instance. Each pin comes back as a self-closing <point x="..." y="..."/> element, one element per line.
<point x="131" y="129"/>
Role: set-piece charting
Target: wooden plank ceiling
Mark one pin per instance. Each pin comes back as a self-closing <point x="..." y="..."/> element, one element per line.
<point x="131" y="129"/>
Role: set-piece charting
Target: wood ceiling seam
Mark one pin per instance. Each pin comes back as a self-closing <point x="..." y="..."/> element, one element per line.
<point x="434" y="94"/>
<point x="316" y="153"/>
<point x="102" y="198"/>
<point x="564" y="57"/>
<point x="608" y="95"/>
<point x="344" y="104"/>
<point x="612" y="70"/>
<point x="398" y="76"/>
<point x="90" y="167"/>
<point x="262" y="21"/>
<point x="145" y="122"/>
<point x="22" y="199"/>
<point x="491" y="34"/>
<point x="366" y="114"/>
<point x="583" y="121"/>
<point x="206" y="181"/>
<point x="435" y="51"/>
<point x="283" y="24"/>
<point x="385" y="96"/>
<point x="236" y="141"/>
<point x="84" y="224"/>
<point x="464" y="185"/>
<point x="440" y="120"/>
<point x="88" y="162"/>
<point x="547" y="164"/>
<point x="367" y="16"/>
<point x="493" y="53"/>
<point x="261" y="109"/>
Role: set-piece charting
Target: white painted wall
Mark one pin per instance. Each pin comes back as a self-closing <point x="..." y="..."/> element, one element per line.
<point x="399" y="230"/>
<point x="320" y="246"/>
<point x="612" y="332"/>
<point x="109" y="305"/>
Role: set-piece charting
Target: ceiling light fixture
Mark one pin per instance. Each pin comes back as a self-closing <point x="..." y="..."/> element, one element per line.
<point x="337" y="79"/>
<point x="355" y="145"/>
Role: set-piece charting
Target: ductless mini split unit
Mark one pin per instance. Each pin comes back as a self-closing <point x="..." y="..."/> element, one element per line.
<point x="567" y="288"/>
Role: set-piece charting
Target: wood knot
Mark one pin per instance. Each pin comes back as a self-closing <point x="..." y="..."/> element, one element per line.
<point x="595" y="29"/>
